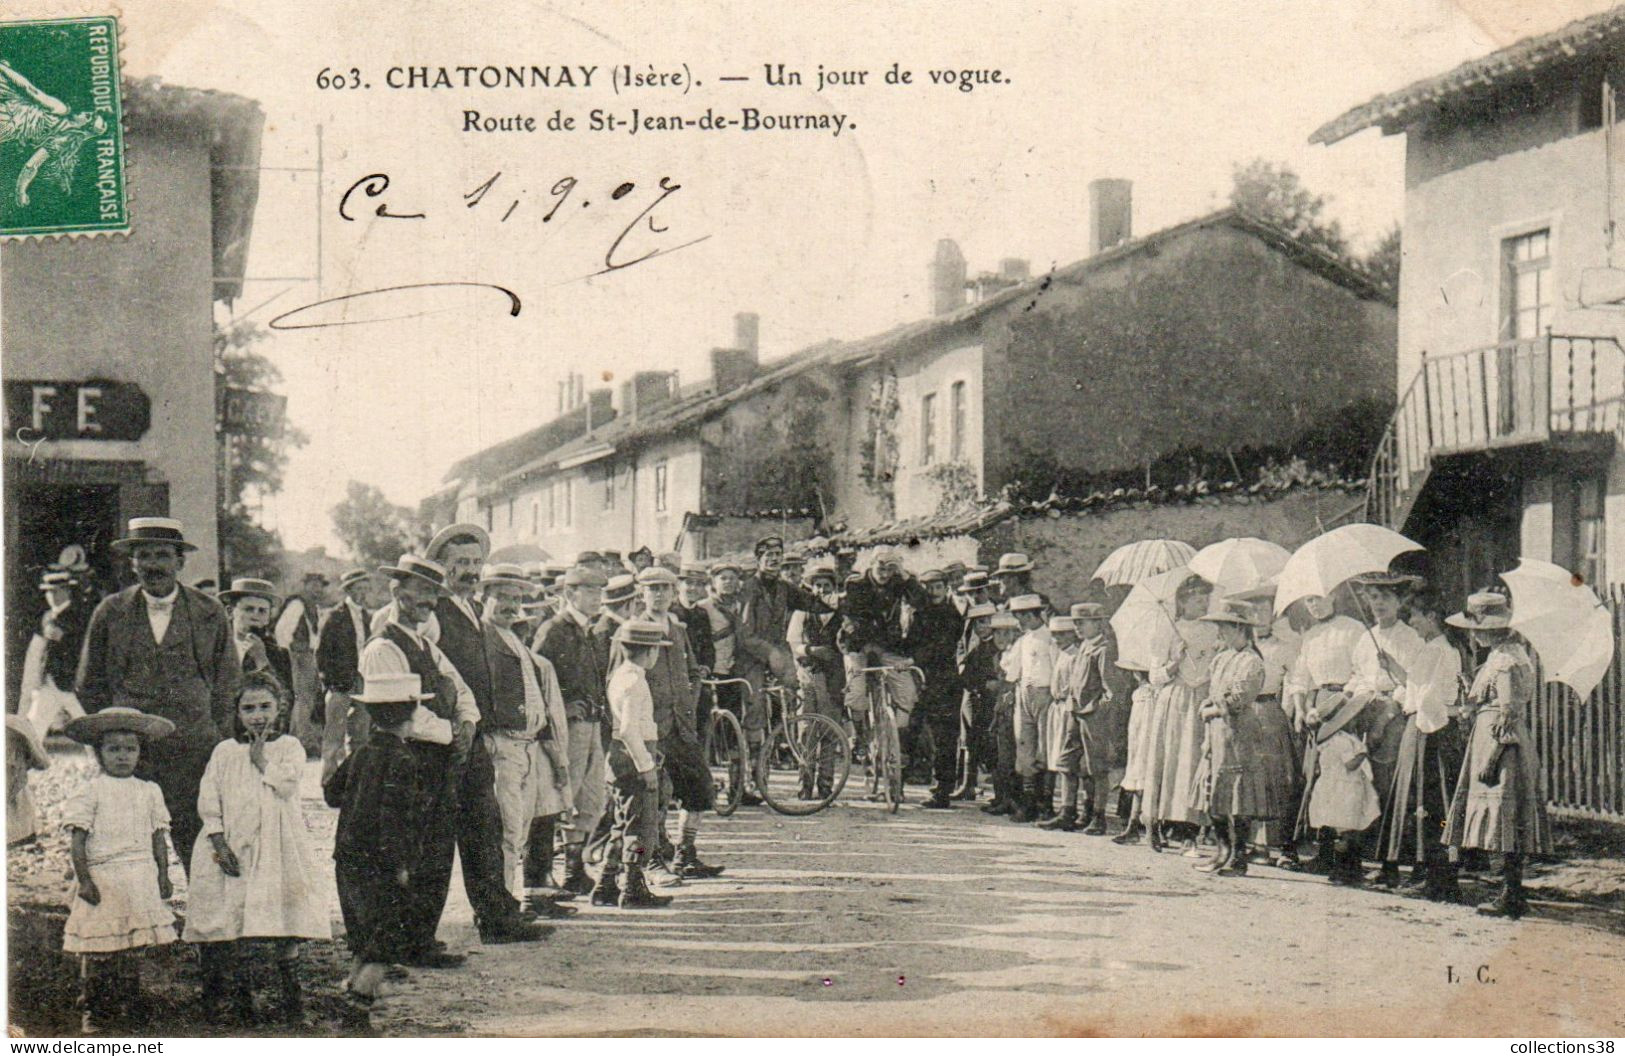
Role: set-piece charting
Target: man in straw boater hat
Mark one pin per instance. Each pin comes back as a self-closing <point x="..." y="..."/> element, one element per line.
<point x="164" y="649"/>
<point x="634" y="763"/>
<point x="873" y="635"/>
<point x="1012" y="577"/>
<point x="438" y="727"/>
<point x="338" y="660"/>
<point x="934" y="634"/>
<point x="582" y="668"/>
<point x="379" y="850"/>
<point x="461" y="549"/>
<point x="249" y="602"/>
<point x="766" y="600"/>
<point x="674" y="685"/>
<point x="525" y="729"/>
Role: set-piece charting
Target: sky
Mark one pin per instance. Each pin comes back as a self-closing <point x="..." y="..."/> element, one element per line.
<point x="824" y="236"/>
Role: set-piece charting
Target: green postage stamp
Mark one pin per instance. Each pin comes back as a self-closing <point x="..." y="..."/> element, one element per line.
<point x="61" y="128"/>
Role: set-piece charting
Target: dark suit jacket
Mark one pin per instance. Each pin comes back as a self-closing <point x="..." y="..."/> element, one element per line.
<point x="337" y="659"/>
<point x="120" y="664"/>
<point x="580" y="663"/>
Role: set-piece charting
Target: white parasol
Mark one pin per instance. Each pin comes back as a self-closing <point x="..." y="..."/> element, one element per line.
<point x="1239" y="566"/>
<point x="1571" y="631"/>
<point x="1144" y="623"/>
<point x="1140" y="560"/>
<point x="1327" y="560"/>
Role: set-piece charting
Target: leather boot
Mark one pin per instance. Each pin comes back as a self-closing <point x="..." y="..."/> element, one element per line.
<point x="1097" y="827"/>
<point x="1222" y="852"/>
<point x="1026" y="792"/>
<point x="1131" y="833"/>
<point x="607" y="892"/>
<point x="1046" y="796"/>
<point x="636" y="894"/>
<point x="1065" y="821"/>
<point x="293" y="996"/>
<point x="1236" y="865"/>
<point x="1510" y="902"/>
<point x="688" y="865"/>
<point x="539" y="854"/>
<point x="1000" y="803"/>
<point x="576" y="880"/>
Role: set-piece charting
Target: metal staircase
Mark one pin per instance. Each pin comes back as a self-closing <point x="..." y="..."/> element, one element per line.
<point x="1517" y="393"/>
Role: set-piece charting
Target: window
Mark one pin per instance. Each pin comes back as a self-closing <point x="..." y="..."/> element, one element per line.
<point x="490" y="518"/>
<point x="928" y="429"/>
<point x="567" y="502"/>
<point x="552" y="504"/>
<point x="660" y="486"/>
<point x="609" y="487"/>
<point x="535" y="516"/>
<point x="1526" y="293"/>
<point x="956" y="421"/>
<point x="1589" y="531"/>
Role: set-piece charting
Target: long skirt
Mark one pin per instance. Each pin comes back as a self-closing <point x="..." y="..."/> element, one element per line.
<point x="1140" y="724"/>
<point x="1231" y="780"/>
<point x="1411" y="826"/>
<point x="1180" y="751"/>
<point x="1509" y="815"/>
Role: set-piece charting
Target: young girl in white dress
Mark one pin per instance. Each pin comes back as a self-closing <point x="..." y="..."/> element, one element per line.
<point x="118" y="827"/>
<point x="253" y="873"/>
<point x="1344" y="796"/>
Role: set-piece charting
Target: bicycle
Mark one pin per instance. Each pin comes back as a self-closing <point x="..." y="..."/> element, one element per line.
<point x="805" y="757"/>
<point x="885" y="745"/>
<point x="724" y="748"/>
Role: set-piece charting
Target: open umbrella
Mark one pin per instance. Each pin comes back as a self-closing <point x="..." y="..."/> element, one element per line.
<point x="1236" y="566"/>
<point x="1571" y="631"/>
<point x="1140" y="560"/>
<point x="1336" y="557"/>
<point x="1144" y="623"/>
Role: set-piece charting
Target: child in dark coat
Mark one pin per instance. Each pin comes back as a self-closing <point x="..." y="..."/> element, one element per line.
<point x="382" y="814"/>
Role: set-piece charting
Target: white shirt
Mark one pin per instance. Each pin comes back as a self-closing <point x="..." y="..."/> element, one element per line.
<point x="287" y="625"/>
<point x="1400" y="643"/>
<point x="1035" y="658"/>
<point x="428" y="630"/>
<point x="632" y="714"/>
<point x="159" y="610"/>
<point x="1325" y="655"/>
<point x="384" y="657"/>
<point x="1278" y="659"/>
<point x="1431" y="687"/>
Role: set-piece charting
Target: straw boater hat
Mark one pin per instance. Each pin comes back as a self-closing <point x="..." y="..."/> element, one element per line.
<point x="57" y="579"/>
<point x="587" y="557"/>
<point x="1062" y="625"/>
<point x="1005" y="621"/>
<point x="657" y="574"/>
<point x="818" y="542"/>
<point x="1486" y="611"/>
<point x="37" y="759"/>
<point x="692" y="572"/>
<point x="581" y="576"/>
<point x="821" y="570"/>
<point x="1395" y="581"/>
<point x="247" y="587"/>
<point x="455" y="531"/>
<point x="973" y="580"/>
<point x="933" y="575"/>
<point x="414" y="567"/>
<point x="1088" y="610"/>
<point x="505" y="574"/>
<point x="641" y="632"/>
<point x="352" y="577"/>
<point x="86" y="729"/>
<point x="391" y="689"/>
<point x="1232" y="611"/>
<point x="1026" y="603"/>
<point x="1013" y="564"/>
<point x="154" y="530"/>
<point x="620" y="588"/>
<point x="979" y="610"/>
<point x="954" y="568"/>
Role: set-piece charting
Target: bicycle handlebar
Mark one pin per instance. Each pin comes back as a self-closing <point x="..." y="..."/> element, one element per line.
<point x="724" y="681"/>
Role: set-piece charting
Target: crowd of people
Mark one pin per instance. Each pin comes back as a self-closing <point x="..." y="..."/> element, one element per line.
<point x="501" y="715"/>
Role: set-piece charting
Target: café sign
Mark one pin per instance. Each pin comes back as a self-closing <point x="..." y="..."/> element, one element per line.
<point x="76" y="410"/>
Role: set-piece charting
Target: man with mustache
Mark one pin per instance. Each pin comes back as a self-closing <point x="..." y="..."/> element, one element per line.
<point x="165" y="649"/>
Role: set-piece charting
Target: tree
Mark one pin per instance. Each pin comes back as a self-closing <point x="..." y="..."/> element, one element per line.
<point x="376" y="530"/>
<point x="1382" y="263"/>
<point x="1273" y="193"/>
<point x="253" y="463"/>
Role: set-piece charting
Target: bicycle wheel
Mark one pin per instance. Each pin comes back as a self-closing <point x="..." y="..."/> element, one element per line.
<point x="888" y="769"/>
<point x="725" y="752"/>
<point x="806" y="753"/>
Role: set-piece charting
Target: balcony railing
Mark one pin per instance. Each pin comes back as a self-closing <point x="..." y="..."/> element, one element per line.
<point x="1513" y="393"/>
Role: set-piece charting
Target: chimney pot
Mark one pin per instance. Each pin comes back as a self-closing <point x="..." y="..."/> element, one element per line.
<point x="1110" y="213"/>
<point x="1015" y="269"/>
<point x="947" y="278"/>
<point x="747" y="332"/>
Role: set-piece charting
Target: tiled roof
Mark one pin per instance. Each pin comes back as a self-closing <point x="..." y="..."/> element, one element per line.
<point x="1583" y="38"/>
<point x="504" y="457"/>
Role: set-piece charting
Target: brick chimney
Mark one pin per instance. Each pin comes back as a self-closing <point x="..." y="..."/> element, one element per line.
<point x="747" y="331"/>
<point x="1015" y="270"/>
<point x="947" y="278"/>
<point x="600" y="407"/>
<point x="646" y="390"/>
<point x="1110" y="214"/>
<point x="733" y="367"/>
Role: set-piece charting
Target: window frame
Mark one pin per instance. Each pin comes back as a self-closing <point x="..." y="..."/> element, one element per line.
<point x="661" y="483"/>
<point x="958" y="419"/>
<point x="928" y="428"/>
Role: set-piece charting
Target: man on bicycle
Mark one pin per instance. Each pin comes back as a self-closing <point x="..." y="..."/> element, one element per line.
<point x="872" y="634"/>
<point x="819" y="666"/>
<point x="762" y="646"/>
